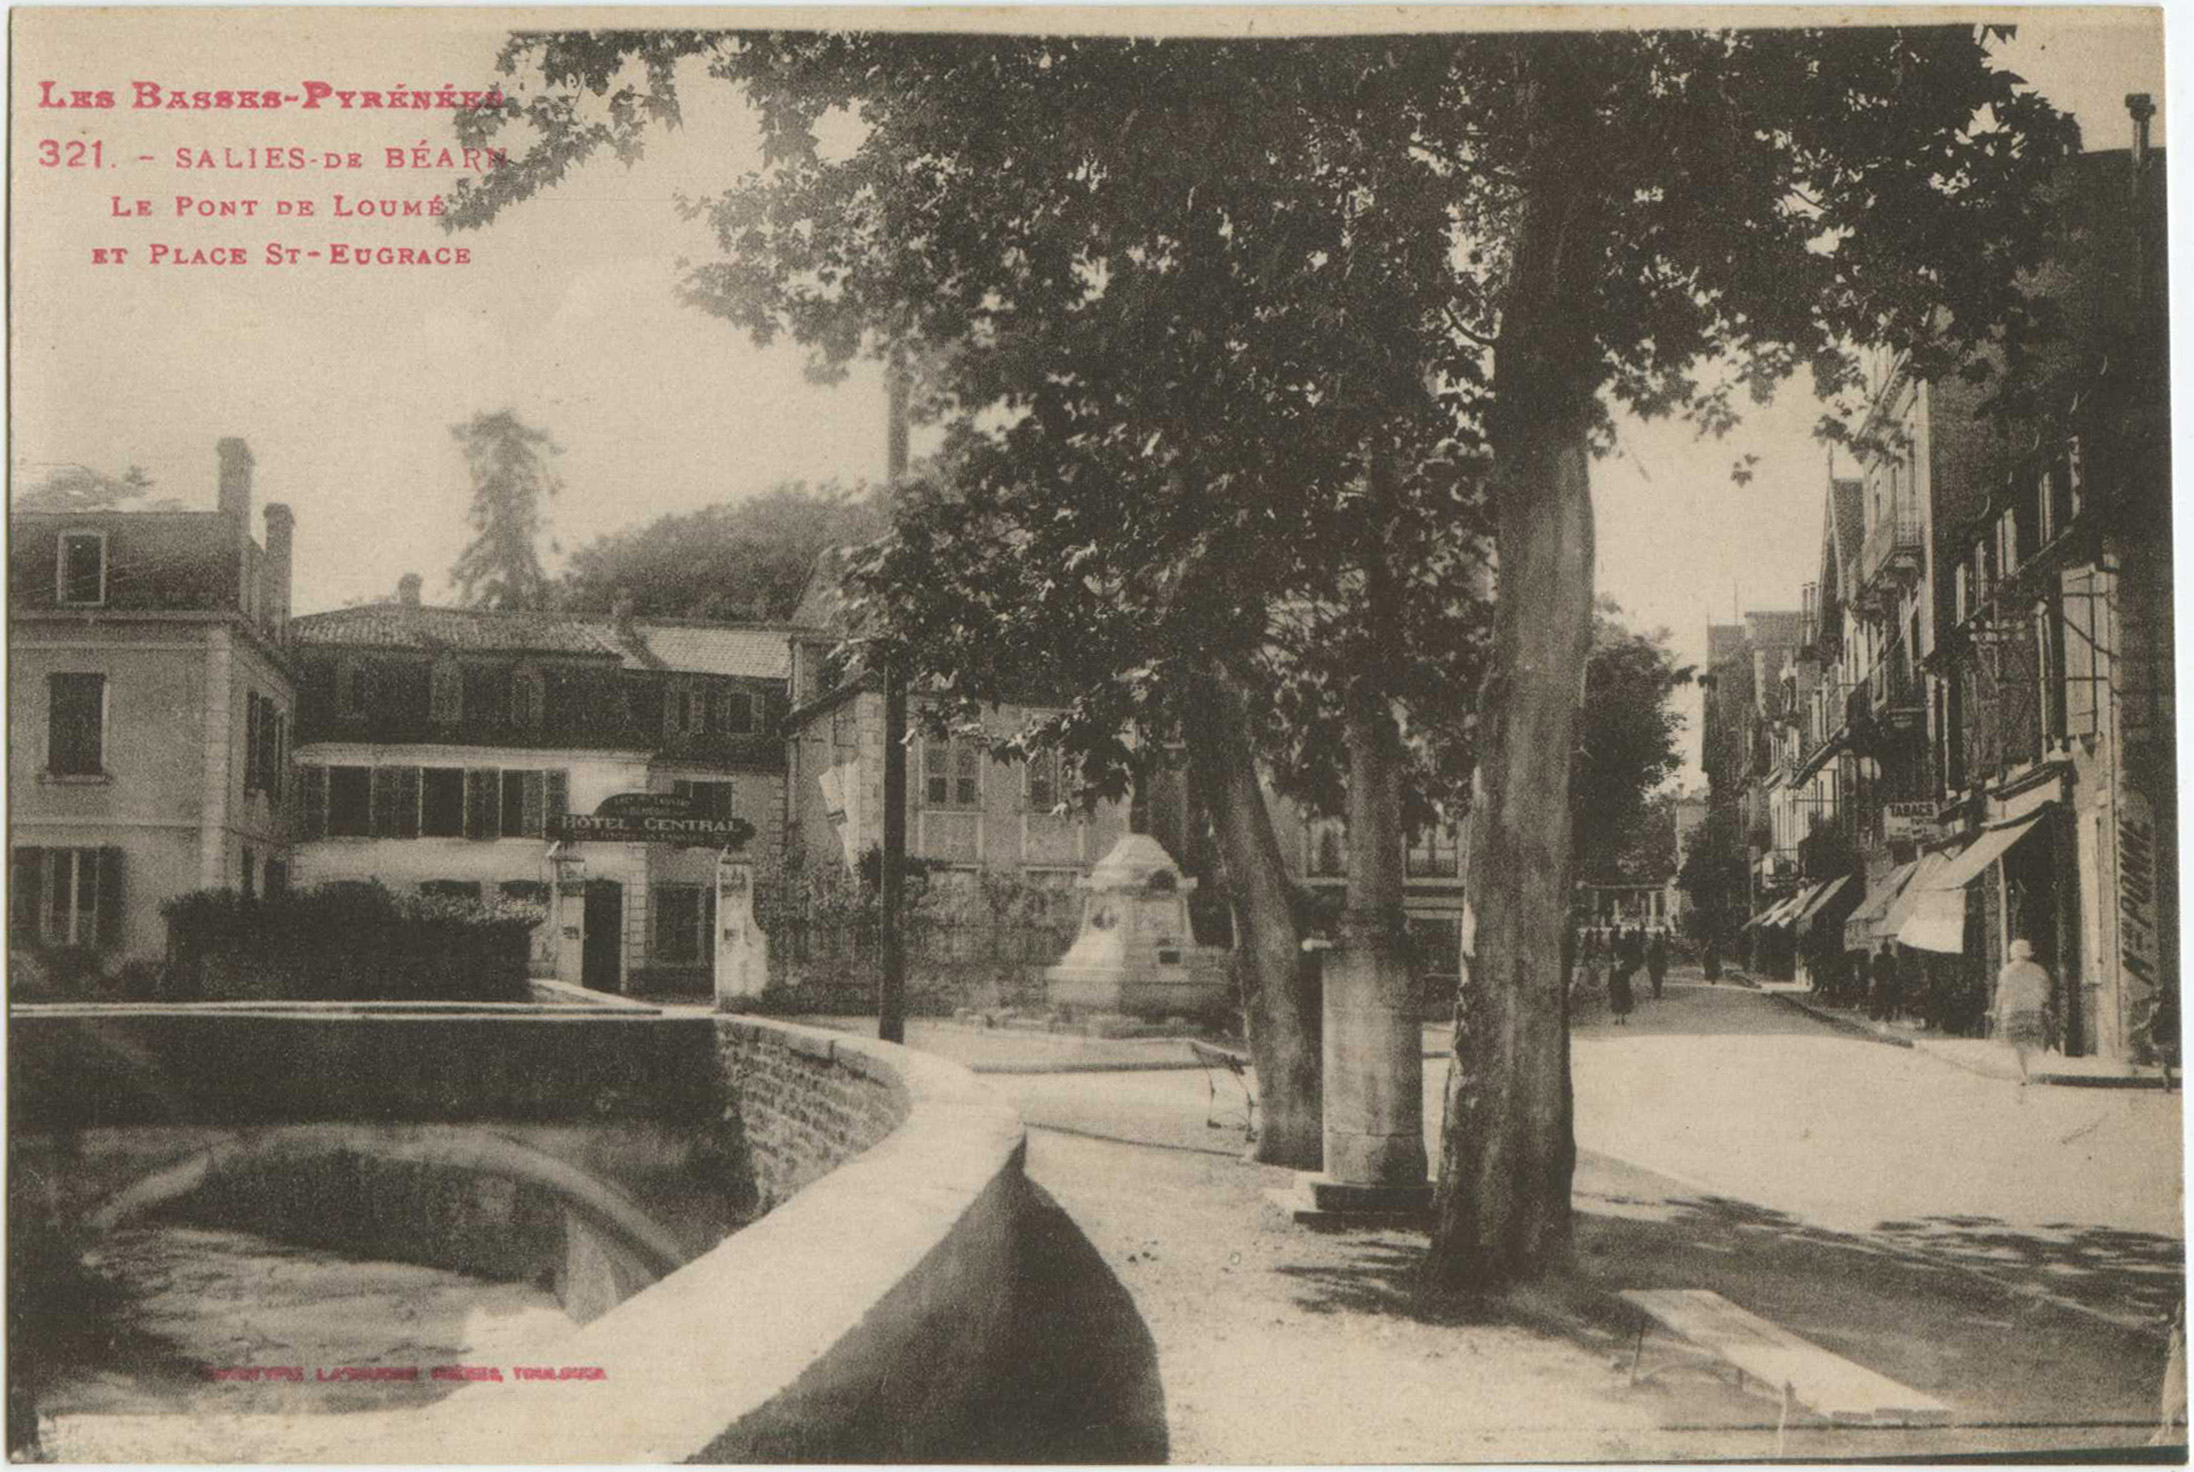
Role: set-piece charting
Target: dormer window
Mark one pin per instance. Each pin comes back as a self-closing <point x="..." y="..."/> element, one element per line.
<point x="80" y="579"/>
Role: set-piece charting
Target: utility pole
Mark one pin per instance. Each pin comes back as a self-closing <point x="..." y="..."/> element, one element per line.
<point x="891" y="986"/>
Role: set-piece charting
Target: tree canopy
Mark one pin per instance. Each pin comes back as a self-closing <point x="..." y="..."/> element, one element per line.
<point x="743" y="560"/>
<point x="81" y="488"/>
<point x="1627" y="746"/>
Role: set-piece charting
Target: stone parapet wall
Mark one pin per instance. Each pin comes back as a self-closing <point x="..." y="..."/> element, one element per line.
<point x="807" y="1099"/>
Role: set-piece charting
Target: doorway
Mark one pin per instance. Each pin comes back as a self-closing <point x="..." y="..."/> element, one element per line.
<point x="605" y="943"/>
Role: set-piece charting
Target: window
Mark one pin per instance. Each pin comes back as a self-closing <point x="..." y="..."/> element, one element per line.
<point x="249" y="886"/>
<point x="511" y="820"/>
<point x="483" y="802"/>
<point x="277" y="877"/>
<point x="266" y="739"/>
<point x="1043" y="781"/>
<point x="65" y="897"/>
<point x="710" y="799"/>
<point x="350" y="801"/>
<point x="2086" y="665"/>
<point x="845" y="730"/>
<point x="1436" y="952"/>
<point x="528" y="698"/>
<point x="525" y="891"/>
<point x="350" y="696"/>
<point x="446" y="692"/>
<point x="442" y="802"/>
<point x="1434" y="853"/>
<point x="685" y="709"/>
<point x="450" y="889"/>
<point x="395" y="802"/>
<point x="683" y="921"/>
<point x="1328" y="857"/>
<point x="731" y="712"/>
<point x="80" y="580"/>
<point x="76" y="722"/>
<point x="951" y="777"/>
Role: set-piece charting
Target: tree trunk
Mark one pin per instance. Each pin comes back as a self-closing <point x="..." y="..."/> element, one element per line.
<point x="1502" y="1212"/>
<point x="1280" y="1003"/>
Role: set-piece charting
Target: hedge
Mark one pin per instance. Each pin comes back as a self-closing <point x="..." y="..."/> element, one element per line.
<point x="345" y="942"/>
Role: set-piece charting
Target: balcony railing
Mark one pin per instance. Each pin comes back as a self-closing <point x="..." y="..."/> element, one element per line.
<point x="1892" y="545"/>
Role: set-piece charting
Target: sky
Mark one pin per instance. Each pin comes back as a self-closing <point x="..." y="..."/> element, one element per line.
<point x="345" y="381"/>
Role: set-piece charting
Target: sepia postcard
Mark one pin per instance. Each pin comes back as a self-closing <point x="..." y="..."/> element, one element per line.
<point x="1225" y="735"/>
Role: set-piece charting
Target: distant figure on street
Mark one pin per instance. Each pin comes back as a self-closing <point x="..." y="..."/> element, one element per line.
<point x="1713" y="961"/>
<point x="1619" y="997"/>
<point x="2022" y="1005"/>
<point x="1656" y="959"/>
<point x="1882" y="985"/>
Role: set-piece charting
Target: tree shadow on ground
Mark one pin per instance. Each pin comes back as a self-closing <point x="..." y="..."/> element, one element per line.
<point x="2047" y="1326"/>
<point x="1079" y="1381"/>
<point x="1387" y="1277"/>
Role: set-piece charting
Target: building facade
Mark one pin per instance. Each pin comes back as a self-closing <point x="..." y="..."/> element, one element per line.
<point x="437" y="748"/>
<point x="151" y="716"/>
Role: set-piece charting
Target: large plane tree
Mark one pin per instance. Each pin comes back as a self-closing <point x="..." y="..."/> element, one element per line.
<point x="1407" y="247"/>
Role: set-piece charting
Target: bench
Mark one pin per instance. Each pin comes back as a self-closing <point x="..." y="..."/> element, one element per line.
<point x="1801" y="1373"/>
<point x="1217" y="1060"/>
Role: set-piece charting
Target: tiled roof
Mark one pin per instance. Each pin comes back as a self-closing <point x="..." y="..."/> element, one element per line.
<point x="689" y="648"/>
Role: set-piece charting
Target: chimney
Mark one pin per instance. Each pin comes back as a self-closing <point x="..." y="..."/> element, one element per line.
<point x="235" y="497"/>
<point x="2143" y="108"/>
<point x="620" y="609"/>
<point x="281" y="526"/>
<point x="407" y="590"/>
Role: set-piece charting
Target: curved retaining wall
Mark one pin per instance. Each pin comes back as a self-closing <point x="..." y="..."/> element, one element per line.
<point x="859" y="1320"/>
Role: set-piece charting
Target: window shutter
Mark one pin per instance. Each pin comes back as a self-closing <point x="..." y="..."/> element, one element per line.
<point x="26" y="886"/>
<point x="559" y="794"/>
<point x="395" y="802"/>
<point x="482" y="798"/>
<point x="110" y="897"/>
<point x="535" y="787"/>
<point x="312" y="792"/>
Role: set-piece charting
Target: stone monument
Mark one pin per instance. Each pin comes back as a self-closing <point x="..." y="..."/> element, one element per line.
<point x="1135" y="952"/>
<point x="742" y="950"/>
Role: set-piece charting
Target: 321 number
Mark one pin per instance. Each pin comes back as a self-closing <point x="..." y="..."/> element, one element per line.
<point x="72" y="155"/>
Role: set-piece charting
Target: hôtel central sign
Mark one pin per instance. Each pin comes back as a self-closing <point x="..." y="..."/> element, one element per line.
<point x="652" y="817"/>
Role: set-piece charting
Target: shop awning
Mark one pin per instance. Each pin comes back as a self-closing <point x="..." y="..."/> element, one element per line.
<point x="1829" y="904"/>
<point x="1992" y="845"/>
<point x="1798" y="904"/>
<point x="1924" y="875"/>
<point x="1937" y="922"/>
<point x="1863" y="928"/>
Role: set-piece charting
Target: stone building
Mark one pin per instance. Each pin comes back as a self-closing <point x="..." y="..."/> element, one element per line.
<point x="151" y="716"/>
<point x="437" y="746"/>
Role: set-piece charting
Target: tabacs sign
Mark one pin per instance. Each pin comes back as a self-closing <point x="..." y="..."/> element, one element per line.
<point x="652" y="817"/>
<point x="1908" y="822"/>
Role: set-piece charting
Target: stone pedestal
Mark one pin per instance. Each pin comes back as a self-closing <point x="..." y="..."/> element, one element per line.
<point x="1135" y="954"/>
<point x="742" y="950"/>
<point x="1374" y="1092"/>
<point x="568" y="917"/>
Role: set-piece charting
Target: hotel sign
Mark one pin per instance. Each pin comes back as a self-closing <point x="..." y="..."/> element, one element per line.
<point x="1908" y="822"/>
<point x="652" y="817"/>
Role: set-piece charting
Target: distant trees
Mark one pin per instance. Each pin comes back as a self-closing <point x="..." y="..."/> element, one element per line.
<point x="512" y="482"/>
<point x="1627" y="746"/>
<point x="81" y="488"/>
<point x="747" y="559"/>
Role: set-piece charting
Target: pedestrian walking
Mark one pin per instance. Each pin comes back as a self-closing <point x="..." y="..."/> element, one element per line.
<point x="1619" y="998"/>
<point x="1882" y="996"/>
<point x="2022" y="1005"/>
<point x="1713" y="961"/>
<point x="1656" y="959"/>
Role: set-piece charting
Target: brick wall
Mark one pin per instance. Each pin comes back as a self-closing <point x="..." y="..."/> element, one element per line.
<point x="805" y="1104"/>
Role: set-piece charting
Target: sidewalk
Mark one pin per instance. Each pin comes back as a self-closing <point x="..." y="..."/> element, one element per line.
<point x="1975" y="1055"/>
<point x="1279" y="1344"/>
